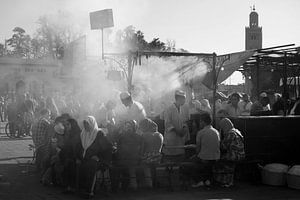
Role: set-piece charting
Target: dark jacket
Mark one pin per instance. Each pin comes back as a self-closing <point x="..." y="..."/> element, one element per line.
<point x="129" y="149"/>
<point x="101" y="148"/>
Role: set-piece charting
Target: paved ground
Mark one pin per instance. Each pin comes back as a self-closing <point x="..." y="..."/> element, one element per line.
<point x="24" y="186"/>
<point x="20" y="182"/>
<point x="12" y="148"/>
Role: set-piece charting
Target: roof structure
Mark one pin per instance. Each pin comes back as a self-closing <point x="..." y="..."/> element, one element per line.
<point x="283" y="60"/>
<point x="274" y="58"/>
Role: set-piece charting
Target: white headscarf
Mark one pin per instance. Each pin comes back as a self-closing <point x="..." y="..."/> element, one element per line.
<point x="88" y="137"/>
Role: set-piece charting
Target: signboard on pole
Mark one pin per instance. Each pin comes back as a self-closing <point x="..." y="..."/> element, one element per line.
<point x="101" y="19"/>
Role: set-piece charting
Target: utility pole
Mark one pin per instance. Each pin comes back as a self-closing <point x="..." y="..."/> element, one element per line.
<point x="215" y="85"/>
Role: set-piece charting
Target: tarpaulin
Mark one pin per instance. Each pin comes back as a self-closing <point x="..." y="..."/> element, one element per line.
<point x="225" y="66"/>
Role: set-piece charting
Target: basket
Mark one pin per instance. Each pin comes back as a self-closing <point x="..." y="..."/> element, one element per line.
<point x="273" y="178"/>
<point x="293" y="181"/>
<point x="293" y="177"/>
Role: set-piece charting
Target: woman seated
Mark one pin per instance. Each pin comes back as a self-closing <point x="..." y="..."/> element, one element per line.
<point x="93" y="151"/>
<point x="67" y="155"/>
<point x="153" y="141"/>
<point x="129" y="152"/>
<point x="232" y="150"/>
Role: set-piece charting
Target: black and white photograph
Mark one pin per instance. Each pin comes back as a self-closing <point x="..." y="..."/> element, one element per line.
<point x="150" y="99"/>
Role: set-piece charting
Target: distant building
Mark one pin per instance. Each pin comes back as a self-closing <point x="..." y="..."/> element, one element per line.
<point x="38" y="75"/>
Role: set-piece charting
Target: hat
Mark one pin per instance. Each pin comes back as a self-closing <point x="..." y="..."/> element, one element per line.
<point x="180" y="93"/>
<point x="263" y="94"/>
<point x="59" y="128"/>
<point x="124" y="95"/>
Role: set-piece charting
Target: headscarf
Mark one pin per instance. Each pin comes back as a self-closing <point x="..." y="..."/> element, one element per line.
<point x="147" y="125"/>
<point x="75" y="129"/>
<point x="227" y="126"/>
<point x="129" y="127"/>
<point x="88" y="137"/>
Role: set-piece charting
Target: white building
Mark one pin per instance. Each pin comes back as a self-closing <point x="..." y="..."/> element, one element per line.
<point x="39" y="75"/>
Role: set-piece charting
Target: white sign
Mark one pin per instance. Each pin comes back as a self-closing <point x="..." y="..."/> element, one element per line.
<point x="101" y="19"/>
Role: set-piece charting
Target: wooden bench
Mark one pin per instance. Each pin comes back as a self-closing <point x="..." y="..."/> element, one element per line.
<point x="170" y="168"/>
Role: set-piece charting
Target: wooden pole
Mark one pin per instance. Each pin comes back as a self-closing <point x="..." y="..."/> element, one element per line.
<point x="215" y="85"/>
<point x="285" y="92"/>
<point x="257" y="79"/>
<point x="102" y="44"/>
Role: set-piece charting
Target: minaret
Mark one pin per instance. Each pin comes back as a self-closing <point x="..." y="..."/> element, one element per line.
<point x="253" y="40"/>
<point x="253" y="32"/>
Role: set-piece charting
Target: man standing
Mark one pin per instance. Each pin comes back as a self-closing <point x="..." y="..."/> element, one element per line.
<point x="176" y="129"/>
<point x="135" y="109"/>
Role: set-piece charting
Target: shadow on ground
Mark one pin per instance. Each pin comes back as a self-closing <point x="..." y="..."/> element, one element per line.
<point x="20" y="182"/>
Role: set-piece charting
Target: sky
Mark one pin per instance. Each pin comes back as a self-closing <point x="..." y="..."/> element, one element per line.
<point x="203" y="26"/>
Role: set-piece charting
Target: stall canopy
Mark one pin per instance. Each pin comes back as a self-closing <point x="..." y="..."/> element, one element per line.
<point x="226" y="65"/>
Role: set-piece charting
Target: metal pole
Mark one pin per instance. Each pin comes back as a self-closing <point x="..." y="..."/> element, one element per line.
<point x="102" y="44"/>
<point x="257" y="79"/>
<point x="298" y="85"/>
<point x="215" y="83"/>
<point x="285" y="96"/>
<point x="130" y="73"/>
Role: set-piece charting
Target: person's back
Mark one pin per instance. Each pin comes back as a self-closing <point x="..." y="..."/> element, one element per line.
<point x="129" y="148"/>
<point x="209" y="141"/>
<point x="152" y="142"/>
<point x="40" y="128"/>
<point x="129" y="145"/>
<point x="152" y="139"/>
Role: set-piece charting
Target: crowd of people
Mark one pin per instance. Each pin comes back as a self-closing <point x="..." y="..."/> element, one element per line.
<point x="267" y="104"/>
<point x="73" y="141"/>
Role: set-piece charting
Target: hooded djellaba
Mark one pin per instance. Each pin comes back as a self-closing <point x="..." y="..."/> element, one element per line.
<point x="232" y="150"/>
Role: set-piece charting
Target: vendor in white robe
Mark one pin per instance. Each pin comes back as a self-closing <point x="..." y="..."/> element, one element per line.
<point x="135" y="110"/>
<point x="176" y="129"/>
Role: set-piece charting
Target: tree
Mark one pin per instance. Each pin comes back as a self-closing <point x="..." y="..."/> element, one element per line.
<point x="156" y="45"/>
<point x="54" y="33"/>
<point x="20" y="43"/>
<point x="130" y="40"/>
